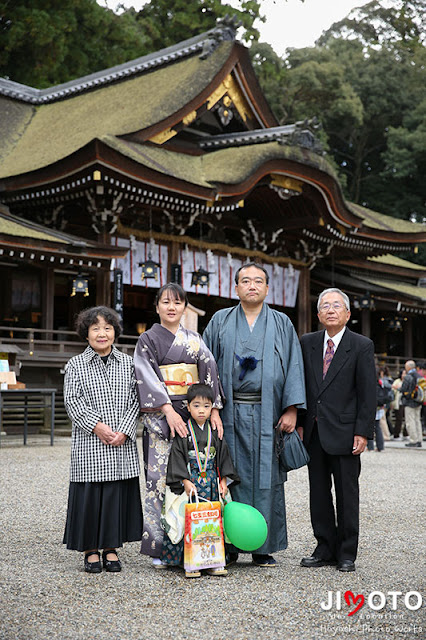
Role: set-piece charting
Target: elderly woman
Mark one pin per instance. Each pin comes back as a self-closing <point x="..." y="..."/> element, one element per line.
<point x="167" y="358"/>
<point x="104" y="505"/>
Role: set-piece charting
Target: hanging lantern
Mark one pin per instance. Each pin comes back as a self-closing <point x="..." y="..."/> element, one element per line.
<point x="366" y="301"/>
<point x="394" y="323"/>
<point x="80" y="284"/>
<point x="149" y="269"/>
<point x="200" y="278"/>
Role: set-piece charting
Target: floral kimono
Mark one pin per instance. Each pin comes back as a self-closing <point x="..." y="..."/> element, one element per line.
<point x="157" y="348"/>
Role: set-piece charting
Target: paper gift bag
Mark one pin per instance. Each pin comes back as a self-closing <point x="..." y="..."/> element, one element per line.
<point x="203" y="546"/>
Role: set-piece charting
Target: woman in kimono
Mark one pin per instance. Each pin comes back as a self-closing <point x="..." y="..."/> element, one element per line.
<point x="167" y="358"/>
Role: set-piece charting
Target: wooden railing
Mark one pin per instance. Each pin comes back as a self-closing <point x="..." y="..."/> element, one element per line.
<point x="396" y="363"/>
<point x="59" y="344"/>
<point x="36" y="343"/>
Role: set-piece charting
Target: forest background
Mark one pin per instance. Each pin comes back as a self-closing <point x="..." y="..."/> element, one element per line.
<point x="365" y="78"/>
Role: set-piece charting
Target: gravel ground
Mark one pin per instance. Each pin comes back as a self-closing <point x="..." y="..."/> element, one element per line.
<point x="46" y="594"/>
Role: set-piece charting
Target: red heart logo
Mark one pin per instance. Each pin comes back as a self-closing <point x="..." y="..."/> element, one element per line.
<point x="359" y="598"/>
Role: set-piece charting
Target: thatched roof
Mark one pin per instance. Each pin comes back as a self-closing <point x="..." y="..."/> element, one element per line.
<point x="58" y="129"/>
<point x="382" y="222"/>
<point x="394" y="261"/>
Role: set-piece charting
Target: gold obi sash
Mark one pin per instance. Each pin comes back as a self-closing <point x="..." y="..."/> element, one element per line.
<point x="178" y="377"/>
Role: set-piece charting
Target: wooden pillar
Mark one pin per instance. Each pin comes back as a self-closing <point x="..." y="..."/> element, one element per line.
<point x="408" y="337"/>
<point x="103" y="288"/>
<point x="366" y="323"/>
<point x="304" y="314"/>
<point x="48" y="300"/>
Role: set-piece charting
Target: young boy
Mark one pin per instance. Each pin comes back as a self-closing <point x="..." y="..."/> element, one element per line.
<point x="196" y="462"/>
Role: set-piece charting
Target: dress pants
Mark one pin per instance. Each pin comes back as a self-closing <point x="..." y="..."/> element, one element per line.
<point x="336" y="530"/>
<point x="399" y="417"/>
<point x="379" y="438"/>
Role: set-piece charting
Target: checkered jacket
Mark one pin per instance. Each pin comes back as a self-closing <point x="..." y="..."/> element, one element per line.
<point x="93" y="392"/>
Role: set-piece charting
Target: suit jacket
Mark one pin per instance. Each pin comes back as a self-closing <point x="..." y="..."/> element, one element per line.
<point x="344" y="403"/>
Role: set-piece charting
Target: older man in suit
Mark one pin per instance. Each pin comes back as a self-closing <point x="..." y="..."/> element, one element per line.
<point x="341" y="405"/>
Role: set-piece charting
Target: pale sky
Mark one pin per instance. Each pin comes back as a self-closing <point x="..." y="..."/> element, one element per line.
<point x="289" y="23"/>
<point x="297" y="24"/>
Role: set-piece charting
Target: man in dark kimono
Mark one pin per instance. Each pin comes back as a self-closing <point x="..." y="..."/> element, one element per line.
<point x="261" y="369"/>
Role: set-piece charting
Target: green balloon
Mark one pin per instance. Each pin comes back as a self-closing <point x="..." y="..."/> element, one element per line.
<point x="244" y="526"/>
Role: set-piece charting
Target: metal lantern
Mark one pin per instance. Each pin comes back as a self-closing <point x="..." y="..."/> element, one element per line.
<point x="394" y="323"/>
<point x="200" y="278"/>
<point x="80" y="284"/>
<point x="149" y="269"/>
<point x="366" y="301"/>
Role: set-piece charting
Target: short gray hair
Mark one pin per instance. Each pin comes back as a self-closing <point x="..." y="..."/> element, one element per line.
<point x="334" y="290"/>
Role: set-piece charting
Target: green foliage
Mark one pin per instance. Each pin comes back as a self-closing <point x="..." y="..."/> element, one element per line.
<point x="165" y="23"/>
<point x="397" y="24"/>
<point x="365" y="81"/>
<point x="47" y="42"/>
<point x="272" y="75"/>
<point x="405" y="163"/>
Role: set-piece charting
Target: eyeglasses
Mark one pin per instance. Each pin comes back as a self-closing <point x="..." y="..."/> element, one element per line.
<point x="332" y="305"/>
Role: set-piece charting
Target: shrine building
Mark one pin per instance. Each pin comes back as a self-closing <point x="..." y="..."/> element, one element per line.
<point x="173" y="167"/>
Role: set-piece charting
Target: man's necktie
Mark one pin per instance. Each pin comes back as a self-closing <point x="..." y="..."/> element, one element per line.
<point x="329" y="353"/>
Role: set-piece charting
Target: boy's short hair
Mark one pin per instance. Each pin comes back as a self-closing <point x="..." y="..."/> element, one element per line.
<point x="199" y="390"/>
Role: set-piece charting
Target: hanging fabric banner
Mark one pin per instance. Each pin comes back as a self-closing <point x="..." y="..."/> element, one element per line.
<point x="291" y="286"/>
<point x="138" y="254"/>
<point x="236" y="264"/>
<point x="283" y="282"/>
<point x="118" y="292"/>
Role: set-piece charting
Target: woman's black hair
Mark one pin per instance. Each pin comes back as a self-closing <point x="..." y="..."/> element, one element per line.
<point x="252" y="264"/>
<point x="175" y="290"/>
<point x="199" y="390"/>
<point x="90" y="316"/>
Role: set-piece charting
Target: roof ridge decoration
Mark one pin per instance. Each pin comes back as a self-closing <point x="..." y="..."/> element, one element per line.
<point x="304" y="136"/>
<point x="226" y="29"/>
<point x="206" y="43"/>
<point x="301" y="133"/>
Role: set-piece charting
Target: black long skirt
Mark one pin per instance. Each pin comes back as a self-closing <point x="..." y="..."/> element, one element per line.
<point x="103" y="515"/>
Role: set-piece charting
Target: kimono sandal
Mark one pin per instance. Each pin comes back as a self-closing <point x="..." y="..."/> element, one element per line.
<point x="92" y="567"/>
<point x="157" y="564"/>
<point x="113" y="566"/>
<point x="217" y="571"/>
<point x="192" y="574"/>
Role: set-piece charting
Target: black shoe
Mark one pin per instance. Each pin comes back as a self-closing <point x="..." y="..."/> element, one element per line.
<point x="92" y="567"/>
<point x="413" y="444"/>
<point x="231" y="558"/>
<point x="263" y="560"/>
<point x="314" y="561"/>
<point x="113" y="566"/>
<point x="346" y="565"/>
